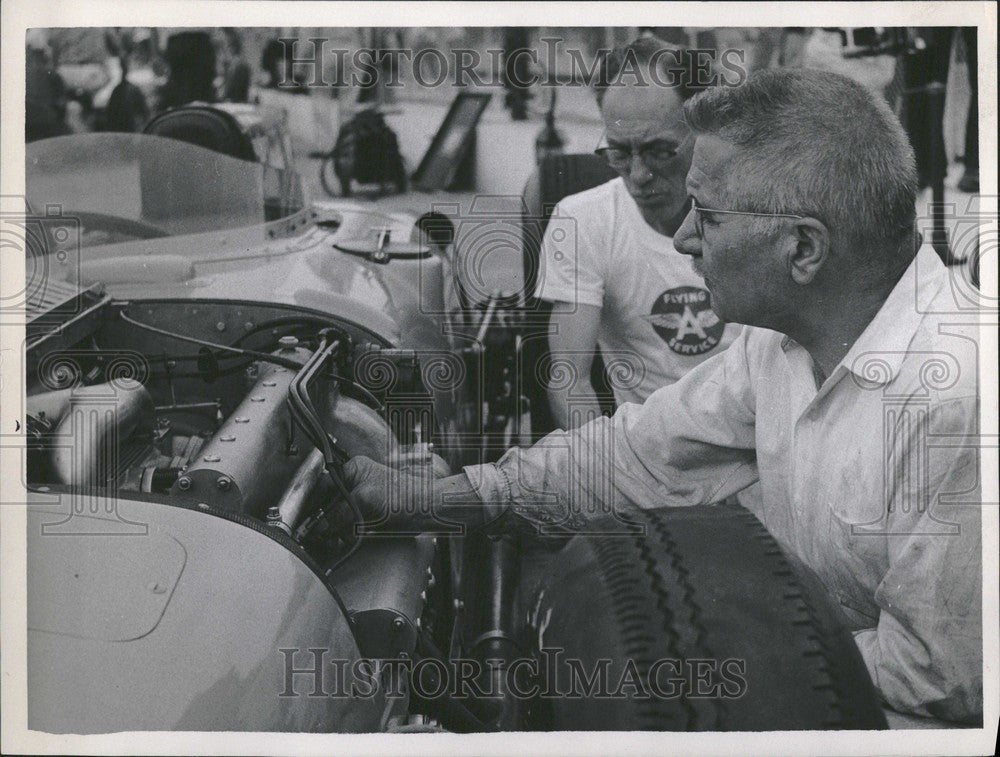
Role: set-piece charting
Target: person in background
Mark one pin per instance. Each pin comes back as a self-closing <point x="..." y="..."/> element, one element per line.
<point x="44" y="92"/>
<point x="614" y="278"/>
<point x="235" y="70"/>
<point x="127" y="109"/>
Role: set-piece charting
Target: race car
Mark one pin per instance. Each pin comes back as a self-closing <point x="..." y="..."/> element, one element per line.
<point x="204" y="351"/>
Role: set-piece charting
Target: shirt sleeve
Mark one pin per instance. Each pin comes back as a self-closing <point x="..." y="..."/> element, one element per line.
<point x="690" y="443"/>
<point x="574" y="255"/>
<point x="926" y="653"/>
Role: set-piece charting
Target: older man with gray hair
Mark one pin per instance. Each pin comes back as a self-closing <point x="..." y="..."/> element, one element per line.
<point x="853" y="400"/>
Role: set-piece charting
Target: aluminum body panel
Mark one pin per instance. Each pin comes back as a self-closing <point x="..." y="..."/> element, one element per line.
<point x="211" y="661"/>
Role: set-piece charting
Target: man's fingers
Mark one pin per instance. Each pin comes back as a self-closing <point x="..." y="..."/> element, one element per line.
<point x="355" y="470"/>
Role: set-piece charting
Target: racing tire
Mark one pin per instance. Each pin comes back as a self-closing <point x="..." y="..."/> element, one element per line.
<point x="727" y="631"/>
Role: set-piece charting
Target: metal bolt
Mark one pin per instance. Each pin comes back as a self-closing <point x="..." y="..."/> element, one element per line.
<point x="223" y="483"/>
<point x="458" y="604"/>
<point x="273" y="513"/>
<point x="288" y="342"/>
<point x="184" y="483"/>
<point x="398" y="624"/>
<point x="293" y="449"/>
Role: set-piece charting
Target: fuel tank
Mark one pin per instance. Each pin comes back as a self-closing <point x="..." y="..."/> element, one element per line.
<point x="144" y="616"/>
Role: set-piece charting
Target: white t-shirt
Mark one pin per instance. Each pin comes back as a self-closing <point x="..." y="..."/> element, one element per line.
<point x="656" y="321"/>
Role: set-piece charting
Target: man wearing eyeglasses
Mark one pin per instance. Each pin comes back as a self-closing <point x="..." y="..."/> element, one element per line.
<point x="614" y="278"/>
<point x="852" y="399"/>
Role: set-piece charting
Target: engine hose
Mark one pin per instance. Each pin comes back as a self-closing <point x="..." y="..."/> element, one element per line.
<point x="305" y="414"/>
<point x="265" y="356"/>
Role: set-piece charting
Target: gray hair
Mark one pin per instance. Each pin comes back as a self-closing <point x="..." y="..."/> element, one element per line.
<point x="817" y="144"/>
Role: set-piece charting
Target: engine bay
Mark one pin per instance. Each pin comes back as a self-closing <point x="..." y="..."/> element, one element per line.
<point x="246" y="408"/>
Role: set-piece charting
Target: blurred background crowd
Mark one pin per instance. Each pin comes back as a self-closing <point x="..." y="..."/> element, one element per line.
<point x="116" y="79"/>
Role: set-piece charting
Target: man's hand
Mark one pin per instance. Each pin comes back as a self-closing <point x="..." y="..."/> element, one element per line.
<point x="413" y="496"/>
<point x="388" y="497"/>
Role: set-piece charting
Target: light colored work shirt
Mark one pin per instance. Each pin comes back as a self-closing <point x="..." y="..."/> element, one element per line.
<point x="871" y="479"/>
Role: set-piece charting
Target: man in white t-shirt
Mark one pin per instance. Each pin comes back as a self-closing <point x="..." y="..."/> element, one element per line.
<point x="609" y="266"/>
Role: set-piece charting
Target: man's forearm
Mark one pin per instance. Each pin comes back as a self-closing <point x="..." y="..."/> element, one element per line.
<point x="575" y="405"/>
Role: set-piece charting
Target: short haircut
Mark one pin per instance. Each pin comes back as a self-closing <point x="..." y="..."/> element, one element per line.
<point x="632" y="63"/>
<point x="818" y="144"/>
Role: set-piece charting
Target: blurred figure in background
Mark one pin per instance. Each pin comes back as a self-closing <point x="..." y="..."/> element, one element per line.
<point x="515" y="71"/>
<point x="191" y="57"/>
<point x="235" y="69"/>
<point x="127" y="109"/>
<point x="44" y="91"/>
<point x="970" y="178"/>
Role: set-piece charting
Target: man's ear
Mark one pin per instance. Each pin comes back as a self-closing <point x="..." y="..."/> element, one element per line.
<point x="811" y="249"/>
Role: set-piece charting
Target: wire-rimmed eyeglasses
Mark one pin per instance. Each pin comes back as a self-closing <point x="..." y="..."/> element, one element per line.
<point x="698" y="210"/>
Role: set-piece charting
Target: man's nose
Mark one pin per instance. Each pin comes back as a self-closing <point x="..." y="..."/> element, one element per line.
<point x="638" y="171"/>
<point x="686" y="238"/>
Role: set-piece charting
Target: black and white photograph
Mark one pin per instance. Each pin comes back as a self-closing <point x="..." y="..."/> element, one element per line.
<point x="580" y="379"/>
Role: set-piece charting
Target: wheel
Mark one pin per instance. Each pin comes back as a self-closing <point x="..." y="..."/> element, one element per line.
<point x="745" y="635"/>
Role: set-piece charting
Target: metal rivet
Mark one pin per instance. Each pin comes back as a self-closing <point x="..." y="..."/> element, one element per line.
<point x="257" y="399"/>
<point x="398" y="624"/>
<point x="227" y="438"/>
<point x="241" y="419"/>
<point x="203" y="506"/>
<point x="270" y="383"/>
<point x="220" y="326"/>
<point x="211" y="458"/>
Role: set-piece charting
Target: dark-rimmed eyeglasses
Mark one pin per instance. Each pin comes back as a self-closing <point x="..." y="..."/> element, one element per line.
<point x="699" y="209"/>
<point x="657" y="155"/>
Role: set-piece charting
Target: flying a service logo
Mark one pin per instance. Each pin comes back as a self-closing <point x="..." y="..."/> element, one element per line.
<point x="684" y="319"/>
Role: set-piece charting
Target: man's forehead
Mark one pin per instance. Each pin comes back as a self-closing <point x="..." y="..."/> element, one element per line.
<point x="709" y="164"/>
<point x="633" y="109"/>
